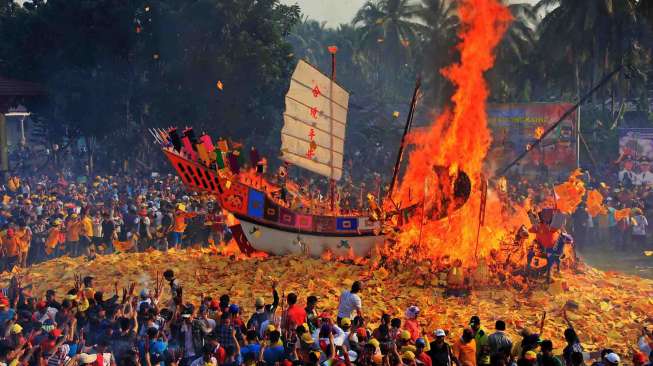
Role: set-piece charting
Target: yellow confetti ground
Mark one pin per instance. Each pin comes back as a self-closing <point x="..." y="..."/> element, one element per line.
<point x="609" y="310"/>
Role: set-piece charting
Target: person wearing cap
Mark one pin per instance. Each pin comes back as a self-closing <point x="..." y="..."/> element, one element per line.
<point x="410" y="324"/>
<point x="546" y="357"/>
<point x="612" y="359"/>
<point x="528" y="359"/>
<point x="499" y="341"/>
<point x="350" y="338"/>
<point x="350" y="302"/>
<point x="421" y="349"/>
<point x="236" y="318"/>
<point x="261" y="314"/>
<point x="440" y="351"/>
<point x="404" y="342"/>
<point x="179" y="225"/>
<point x="408" y="358"/>
<point x="274" y="350"/>
<point x="464" y="349"/>
<point x="480" y="334"/>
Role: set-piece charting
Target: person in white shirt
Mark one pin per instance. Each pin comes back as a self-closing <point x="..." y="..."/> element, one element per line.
<point x="350" y="302"/>
<point x="640" y="224"/>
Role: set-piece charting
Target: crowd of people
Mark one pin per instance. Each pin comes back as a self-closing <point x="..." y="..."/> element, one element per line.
<point x="45" y="217"/>
<point x="42" y="217"/>
<point x="158" y="326"/>
<point x="622" y="226"/>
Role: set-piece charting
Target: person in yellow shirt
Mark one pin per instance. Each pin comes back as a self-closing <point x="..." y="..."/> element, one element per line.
<point x="85" y="241"/>
<point x="24" y="239"/>
<point x="53" y="239"/>
<point x="179" y="225"/>
<point x="73" y="231"/>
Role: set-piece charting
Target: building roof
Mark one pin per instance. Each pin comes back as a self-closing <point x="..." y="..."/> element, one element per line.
<point x="18" y="88"/>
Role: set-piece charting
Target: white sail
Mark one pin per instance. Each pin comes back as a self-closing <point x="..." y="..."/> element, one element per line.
<point x="313" y="134"/>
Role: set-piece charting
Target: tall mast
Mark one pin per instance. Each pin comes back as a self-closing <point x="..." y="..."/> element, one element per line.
<point x="409" y="122"/>
<point x="332" y="183"/>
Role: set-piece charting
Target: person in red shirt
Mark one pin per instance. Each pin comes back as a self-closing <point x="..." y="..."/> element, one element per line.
<point x="295" y="315"/>
<point x="545" y="236"/>
<point x="410" y="324"/>
<point x="420" y="354"/>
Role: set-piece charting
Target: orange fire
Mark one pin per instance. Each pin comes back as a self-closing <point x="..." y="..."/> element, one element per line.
<point x="460" y="139"/>
<point x="595" y="203"/>
<point x="569" y="194"/>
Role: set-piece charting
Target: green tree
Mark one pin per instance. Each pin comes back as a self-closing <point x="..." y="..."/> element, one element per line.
<point x="587" y="40"/>
<point x="112" y="69"/>
<point x="510" y="78"/>
<point x="438" y="50"/>
<point x="389" y="31"/>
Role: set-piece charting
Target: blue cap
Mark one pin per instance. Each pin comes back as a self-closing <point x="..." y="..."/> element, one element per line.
<point x="234" y="309"/>
<point x="420" y="342"/>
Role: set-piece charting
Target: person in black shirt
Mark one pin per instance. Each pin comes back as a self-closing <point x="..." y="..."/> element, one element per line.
<point x="108" y="228"/>
<point x="440" y="351"/>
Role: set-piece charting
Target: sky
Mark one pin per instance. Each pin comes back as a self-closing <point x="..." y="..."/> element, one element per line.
<point x="335" y="12"/>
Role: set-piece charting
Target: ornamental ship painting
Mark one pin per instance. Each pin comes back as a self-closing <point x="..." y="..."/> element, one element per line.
<point x="312" y="138"/>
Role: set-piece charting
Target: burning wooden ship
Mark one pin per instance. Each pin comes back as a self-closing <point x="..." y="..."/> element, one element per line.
<point x="312" y="138"/>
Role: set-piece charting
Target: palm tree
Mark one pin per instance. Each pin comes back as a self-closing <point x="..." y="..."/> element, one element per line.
<point x="308" y="40"/>
<point x="438" y="51"/>
<point x="388" y="30"/>
<point x="587" y="39"/>
<point x="509" y="77"/>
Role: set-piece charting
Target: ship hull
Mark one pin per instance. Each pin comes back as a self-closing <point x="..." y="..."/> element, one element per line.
<point x="277" y="241"/>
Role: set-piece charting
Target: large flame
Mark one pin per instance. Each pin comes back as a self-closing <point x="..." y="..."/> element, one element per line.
<point x="460" y="139"/>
